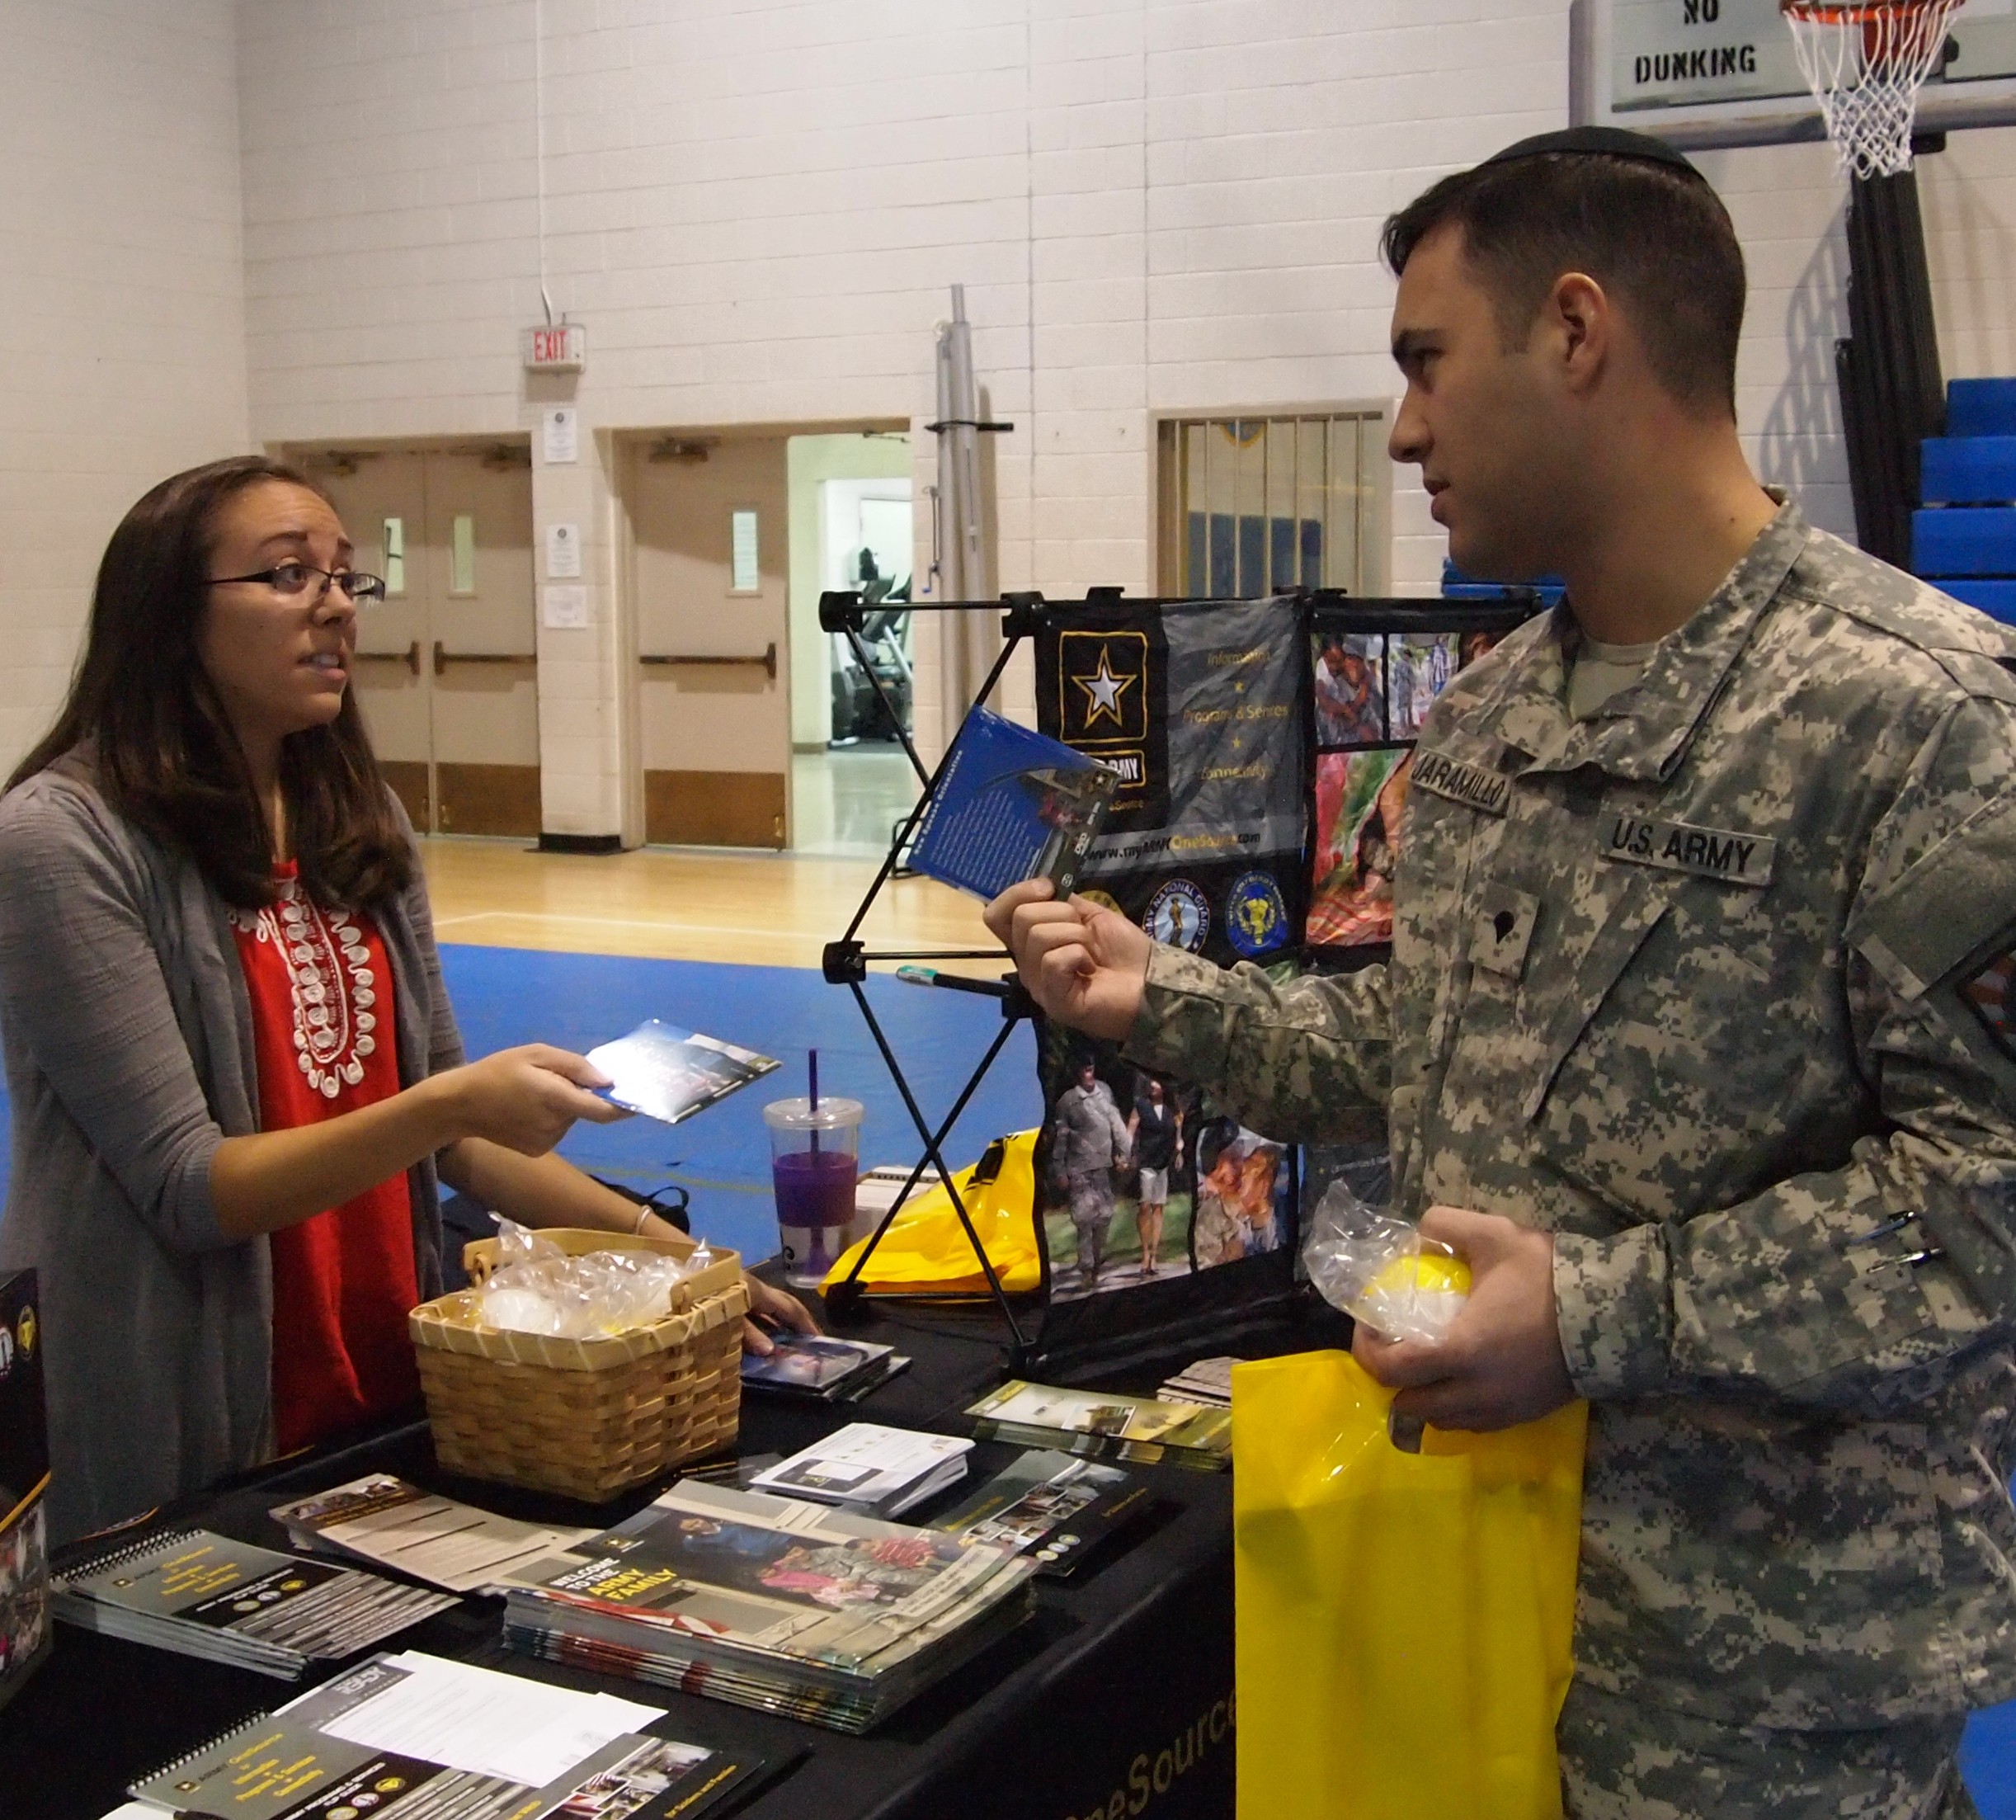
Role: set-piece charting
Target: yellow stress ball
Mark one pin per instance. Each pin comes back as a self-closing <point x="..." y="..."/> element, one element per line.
<point x="1415" y="1297"/>
<point x="1432" y="1272"/>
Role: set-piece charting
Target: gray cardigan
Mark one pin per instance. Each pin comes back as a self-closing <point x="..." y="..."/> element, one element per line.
<point x="129" y="1058"/>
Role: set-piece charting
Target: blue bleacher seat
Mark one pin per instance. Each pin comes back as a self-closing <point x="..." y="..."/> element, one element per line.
<point x="1967" y="471"/>
<point x="1456" y="585"/>
<point x="1964" y="540"/>
<point x="1980" y="407"/>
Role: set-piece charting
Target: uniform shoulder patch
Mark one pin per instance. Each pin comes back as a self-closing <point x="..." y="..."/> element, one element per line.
<point x="1991" y="993"/>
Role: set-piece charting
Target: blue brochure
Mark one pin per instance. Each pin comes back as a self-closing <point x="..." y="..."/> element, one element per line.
<point x="1012" y="804"/>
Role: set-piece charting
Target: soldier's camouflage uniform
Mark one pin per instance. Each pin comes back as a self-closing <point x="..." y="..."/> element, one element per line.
<point x="1710" y="985"/>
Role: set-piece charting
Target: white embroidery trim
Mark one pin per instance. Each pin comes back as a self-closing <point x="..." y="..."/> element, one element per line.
<point x="333" y="1017"/>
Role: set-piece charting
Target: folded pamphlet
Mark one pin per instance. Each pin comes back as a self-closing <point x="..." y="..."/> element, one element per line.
<point x="669" y="1074"/>
<point x="1011" y="804"/>
<point x="1103" y="1423"/>
<point x="867" y="1467"/>
<point x="418" y="1737"/>
<point x="391" y="1524"/>
<point x="1054" y="1507"/>
<point x="821" y="1367"/>
<point x="1206" y="1381"/>
<point x="200" y="1594"/>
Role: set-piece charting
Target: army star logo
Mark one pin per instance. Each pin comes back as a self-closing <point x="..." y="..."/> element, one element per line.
<point x="1103" y="691"/>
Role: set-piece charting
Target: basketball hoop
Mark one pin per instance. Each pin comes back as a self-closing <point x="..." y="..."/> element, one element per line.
<point x="1865" y="61"/>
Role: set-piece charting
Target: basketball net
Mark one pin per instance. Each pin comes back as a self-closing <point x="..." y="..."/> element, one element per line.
<point x="1866" y="63"/>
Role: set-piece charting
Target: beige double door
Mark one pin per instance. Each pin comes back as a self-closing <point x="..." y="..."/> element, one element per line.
<point x="712" y="581"/>
<point x="447" y="673"/>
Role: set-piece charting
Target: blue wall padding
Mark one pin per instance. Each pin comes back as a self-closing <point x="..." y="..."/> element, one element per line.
<point x="1967" y="470"/>
<point x="1964" y="540"/>
<point x="1980" y="407"/>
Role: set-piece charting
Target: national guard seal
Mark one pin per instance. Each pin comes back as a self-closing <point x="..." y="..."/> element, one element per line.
<point x="1177" y="914"/>
<point x="1255" y="917"/>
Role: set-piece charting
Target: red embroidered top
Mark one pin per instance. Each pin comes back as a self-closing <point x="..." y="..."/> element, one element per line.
<point x="344" y="1279"/>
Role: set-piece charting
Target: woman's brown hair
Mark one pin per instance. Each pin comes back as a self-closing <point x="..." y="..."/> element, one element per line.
<point x="165" y="754"/>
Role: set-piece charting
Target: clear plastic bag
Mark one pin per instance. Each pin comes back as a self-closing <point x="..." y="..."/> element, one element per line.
<point x="538" y="1288"/>
<point x="1380" y="1271"/>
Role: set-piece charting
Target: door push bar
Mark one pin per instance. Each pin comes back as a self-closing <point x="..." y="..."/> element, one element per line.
<point x="767" y="662"/>
<point x="443" y="658"/>
<point x="410" y="657"/>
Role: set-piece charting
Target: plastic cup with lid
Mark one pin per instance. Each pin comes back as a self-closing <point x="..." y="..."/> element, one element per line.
<point x="814" y="1161"/>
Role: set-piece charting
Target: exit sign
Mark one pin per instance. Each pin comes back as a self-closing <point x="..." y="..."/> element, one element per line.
<point x="560" y="348"/>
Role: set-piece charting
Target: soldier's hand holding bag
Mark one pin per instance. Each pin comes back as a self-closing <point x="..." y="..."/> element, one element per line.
<point x="1405" y="1621"/>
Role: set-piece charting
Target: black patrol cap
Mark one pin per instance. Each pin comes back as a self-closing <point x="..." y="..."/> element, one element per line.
<point x="1604" y="141"/>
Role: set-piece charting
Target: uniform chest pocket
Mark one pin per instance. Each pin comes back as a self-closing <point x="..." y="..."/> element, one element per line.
<point x="1560" y="998"/>
<point x="1665" y="1077"/>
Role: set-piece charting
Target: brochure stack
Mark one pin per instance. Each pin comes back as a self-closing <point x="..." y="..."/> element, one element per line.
<point x="824" y="1616"/>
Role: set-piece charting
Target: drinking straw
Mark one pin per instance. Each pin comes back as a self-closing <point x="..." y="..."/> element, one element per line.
<point x="812" y="1071"/>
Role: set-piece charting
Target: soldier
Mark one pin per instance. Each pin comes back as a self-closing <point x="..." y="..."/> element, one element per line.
<point x="1088" y="1142"/>
<point x="1693" y="1039"/>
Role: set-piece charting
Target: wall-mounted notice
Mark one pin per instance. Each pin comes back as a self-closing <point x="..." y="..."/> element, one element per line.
<point x="746" y="578"/>
<point x="562" y="552"/>
<point x="564" y="609"/>
<point x="395" y="545"/>
<point x="462" y="554"/>
<point x="561" y="437"/>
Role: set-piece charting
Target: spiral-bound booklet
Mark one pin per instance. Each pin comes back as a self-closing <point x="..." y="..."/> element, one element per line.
<point x="24" y="1478"/>
<point x="415" y="1736"/>
<point x="200" y="1594"/>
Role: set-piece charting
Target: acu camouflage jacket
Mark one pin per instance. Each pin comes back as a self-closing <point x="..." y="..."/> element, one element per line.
<point x="1711" y="986"/>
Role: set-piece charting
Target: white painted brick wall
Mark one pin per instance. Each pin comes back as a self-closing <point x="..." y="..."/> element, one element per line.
<point x="757" y="209"/>
<point x="121" y="283"/>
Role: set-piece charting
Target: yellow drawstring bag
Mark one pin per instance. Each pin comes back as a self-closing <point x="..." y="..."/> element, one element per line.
<point x="926" y="1250"/>
<point x="1405" y="1621"/>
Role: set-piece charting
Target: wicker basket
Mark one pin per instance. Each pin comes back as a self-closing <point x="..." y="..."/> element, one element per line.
<point x="585" y="1418"/>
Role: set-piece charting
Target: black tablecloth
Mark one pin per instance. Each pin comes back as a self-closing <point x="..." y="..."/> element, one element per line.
<point x="1115" y="1700"/>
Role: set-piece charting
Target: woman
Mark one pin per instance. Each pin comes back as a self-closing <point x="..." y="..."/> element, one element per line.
<point x="236" y="1077"/>
<point x="1155" y="1133"/>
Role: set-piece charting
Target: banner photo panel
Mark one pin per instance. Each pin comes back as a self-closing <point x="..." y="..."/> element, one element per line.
<point x="1370" y="692"/>
<point x="1360" y="798"/>
<point x="1204" y="709"/>
<point x="1141" y="1180"/>
<point x="1350" y="679"/>
<point x="1201" y="708"/>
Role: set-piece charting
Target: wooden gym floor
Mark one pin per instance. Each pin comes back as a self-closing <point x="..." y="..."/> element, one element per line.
<point x="683" y="904"/>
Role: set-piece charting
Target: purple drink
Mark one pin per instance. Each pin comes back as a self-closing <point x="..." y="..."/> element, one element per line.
<point x="814" y="1187"/>
<point x="813" y="1166"/>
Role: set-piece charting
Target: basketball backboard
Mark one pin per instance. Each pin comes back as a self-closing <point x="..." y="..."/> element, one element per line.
<point x="1708" y="72"/>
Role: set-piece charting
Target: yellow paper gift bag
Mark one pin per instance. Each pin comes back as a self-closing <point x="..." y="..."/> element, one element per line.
<point x="926" y="1250"/>
<point x="1405" y="1621"/>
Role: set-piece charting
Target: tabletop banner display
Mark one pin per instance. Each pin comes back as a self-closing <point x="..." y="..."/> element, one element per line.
<point x="1156" y="1207"/>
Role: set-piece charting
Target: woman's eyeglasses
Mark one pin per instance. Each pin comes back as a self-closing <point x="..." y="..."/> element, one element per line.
<point x="291" y="579"/>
